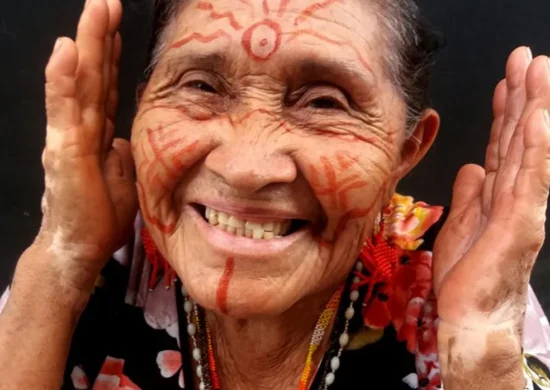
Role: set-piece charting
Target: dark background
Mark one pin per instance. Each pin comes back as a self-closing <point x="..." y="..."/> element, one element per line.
<point x="479" y="37"/>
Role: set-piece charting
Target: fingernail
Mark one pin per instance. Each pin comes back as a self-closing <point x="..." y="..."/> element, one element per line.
<point x="58" y="44"/>
<point x="547" y="118"/>
<point x="529" y="54"/>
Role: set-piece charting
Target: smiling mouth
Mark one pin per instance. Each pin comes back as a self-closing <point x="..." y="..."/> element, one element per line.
<point x="265" y="230"/>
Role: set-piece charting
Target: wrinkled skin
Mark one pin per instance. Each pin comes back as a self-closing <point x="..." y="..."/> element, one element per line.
<point x="254" y="132"/>
<point x="254" y="128"/>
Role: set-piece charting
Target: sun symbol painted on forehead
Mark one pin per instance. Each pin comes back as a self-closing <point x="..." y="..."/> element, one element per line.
<point x="263" y="38"/>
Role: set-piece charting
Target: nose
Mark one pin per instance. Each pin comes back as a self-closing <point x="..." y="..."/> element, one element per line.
<point x="249" y="166"/>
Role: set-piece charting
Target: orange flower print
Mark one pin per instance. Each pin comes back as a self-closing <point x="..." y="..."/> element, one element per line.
<point x="170" y="363"/>
<point x="405" y="221"/>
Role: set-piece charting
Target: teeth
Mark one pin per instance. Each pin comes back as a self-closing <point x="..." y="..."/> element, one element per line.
<point x="213" y="219"/>
<point x="223" y="218"/>
<point x="254" y="226"/>
<point x="243" y="228"/>
<point x="235" y="222"/>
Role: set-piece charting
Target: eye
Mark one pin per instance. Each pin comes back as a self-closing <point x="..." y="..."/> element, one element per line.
<point x="325" y="103"/>
<point x="201" y="85"/>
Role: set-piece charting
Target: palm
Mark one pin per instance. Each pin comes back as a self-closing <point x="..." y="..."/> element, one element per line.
<point x="90" y="195"/>
<point x="485" y="252"/>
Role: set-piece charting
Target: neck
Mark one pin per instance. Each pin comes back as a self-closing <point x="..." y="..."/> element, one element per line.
<point x="267" y="353"/>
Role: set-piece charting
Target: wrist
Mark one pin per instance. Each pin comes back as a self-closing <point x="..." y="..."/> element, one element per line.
<point x="482" y="357"/>
<point x="56" y="281"/>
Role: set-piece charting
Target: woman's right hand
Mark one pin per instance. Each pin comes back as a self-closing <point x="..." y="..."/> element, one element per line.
<point x="90" y="200"/>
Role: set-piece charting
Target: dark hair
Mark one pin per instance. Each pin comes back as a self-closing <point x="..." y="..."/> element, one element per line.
<point x="410" y="42"/>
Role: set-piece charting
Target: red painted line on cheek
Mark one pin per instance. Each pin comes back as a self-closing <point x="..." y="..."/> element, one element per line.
<point x="265" y="7"/>
<point x="201" y="38"/>
<point x="164" y="228"/>
<point x="223" y="285"/>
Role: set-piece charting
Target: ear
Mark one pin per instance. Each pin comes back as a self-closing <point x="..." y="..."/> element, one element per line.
<point x="419" y="142"/>
<point x="139" y="92"/>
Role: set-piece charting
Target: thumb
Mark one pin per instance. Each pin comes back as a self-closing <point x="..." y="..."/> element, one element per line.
<point x="120" y="178"/>
<point x="467" y="187"/>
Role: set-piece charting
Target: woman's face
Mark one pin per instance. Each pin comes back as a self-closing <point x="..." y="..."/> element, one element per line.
<point x="267" y="139"/>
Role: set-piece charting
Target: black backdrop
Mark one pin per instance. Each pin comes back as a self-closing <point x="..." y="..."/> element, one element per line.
<point x="479" y="37"/>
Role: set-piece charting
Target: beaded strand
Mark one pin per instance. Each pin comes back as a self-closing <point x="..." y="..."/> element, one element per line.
<point x="192" y="331"/>
<point x="321" y="326"/>
<point x="343" y="340"/>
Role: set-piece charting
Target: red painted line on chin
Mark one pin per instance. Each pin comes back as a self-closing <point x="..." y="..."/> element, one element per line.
<point x="223" y="285"/>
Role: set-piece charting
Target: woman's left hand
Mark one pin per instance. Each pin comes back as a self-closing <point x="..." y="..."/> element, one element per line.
<point x="484" y="255"/>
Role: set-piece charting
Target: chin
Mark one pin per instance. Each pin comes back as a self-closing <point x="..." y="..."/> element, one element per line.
<point x="244" y="296"/>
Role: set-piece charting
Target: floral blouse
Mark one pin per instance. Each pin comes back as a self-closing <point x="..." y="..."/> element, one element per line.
<point x="128" y="337"/>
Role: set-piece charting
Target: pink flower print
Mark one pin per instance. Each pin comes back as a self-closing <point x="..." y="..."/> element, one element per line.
<point x="80" y="379"/>
<point x="170" y="363"/>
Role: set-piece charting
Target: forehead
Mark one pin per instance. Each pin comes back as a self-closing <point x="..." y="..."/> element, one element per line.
<point x="264" y="33"/>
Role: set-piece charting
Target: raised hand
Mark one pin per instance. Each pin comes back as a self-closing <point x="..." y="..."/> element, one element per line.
<point x="90" y="200"/>
<point x="484" y="255"/>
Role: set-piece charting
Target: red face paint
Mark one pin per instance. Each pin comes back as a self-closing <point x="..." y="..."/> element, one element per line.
<point x="309" y="11"/>
<point x="282" y="7"/>
<point x="168" y="152"/>
<point x="339" y="181"/>
<point x="262" y="40"/>
<point x="214" y="15"/>
<point x="223" y="285"/>
<point x="201" y="38"/>
<point x="265" y="7"/>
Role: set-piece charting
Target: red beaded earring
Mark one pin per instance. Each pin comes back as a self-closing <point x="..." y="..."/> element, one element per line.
<point x="157" y="261"/>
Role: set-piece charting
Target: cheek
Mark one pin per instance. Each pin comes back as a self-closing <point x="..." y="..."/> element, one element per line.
<point x="163" y="152"/>
<point x="350" y="182"/>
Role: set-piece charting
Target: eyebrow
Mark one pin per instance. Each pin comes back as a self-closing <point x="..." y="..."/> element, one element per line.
<point x="330" y="70"/>
<point x="215" y="61"/>
<point x="302" y="68"/>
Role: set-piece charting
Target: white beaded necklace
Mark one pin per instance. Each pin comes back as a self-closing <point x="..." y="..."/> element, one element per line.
<point x="190" y="307"/>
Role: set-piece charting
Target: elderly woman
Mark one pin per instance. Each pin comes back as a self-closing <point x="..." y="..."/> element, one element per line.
<point x="268" y="142"/>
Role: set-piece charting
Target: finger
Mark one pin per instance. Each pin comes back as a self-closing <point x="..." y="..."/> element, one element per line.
<point x="516" y="98"/>
<point x="491" y="155"/>
<point x="90" y="41"/>
<point x="62" y="107"/>
<point x="499" y="105"/>
<point x="516" y="69"/>
<point x="467" y="187"/>
<point x="115" y="15"/>
<point x="533" y="179"/>
<point x="126" y="158"/>
<point x="121" y="183"/>
<point x="112" y="94"/>
<point x="537" y="86"/>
